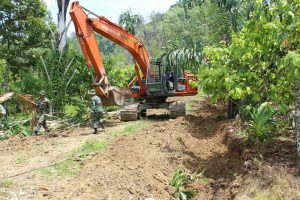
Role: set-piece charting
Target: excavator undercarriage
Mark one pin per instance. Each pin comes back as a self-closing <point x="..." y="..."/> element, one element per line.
<point x="132" y="111"/>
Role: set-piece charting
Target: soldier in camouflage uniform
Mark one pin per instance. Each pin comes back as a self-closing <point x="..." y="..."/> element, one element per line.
<point x="43" y="110"/>
<point x="2" y="115"/>
<point x="97" y="111"/>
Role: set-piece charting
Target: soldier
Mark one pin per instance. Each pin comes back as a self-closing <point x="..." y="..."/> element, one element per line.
<point x="97" y="111"/>
<point x="43" y="110"/>
<point x="2" y="115"/>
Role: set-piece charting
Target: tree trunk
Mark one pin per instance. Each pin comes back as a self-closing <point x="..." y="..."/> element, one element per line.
<point x="7" y="68"/>
<point x="61" y="27"/>
<point x="297" y="116"/>
<point x="233" y="109"/>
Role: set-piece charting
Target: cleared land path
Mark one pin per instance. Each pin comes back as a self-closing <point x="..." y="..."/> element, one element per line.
<point x="133" y="160"/>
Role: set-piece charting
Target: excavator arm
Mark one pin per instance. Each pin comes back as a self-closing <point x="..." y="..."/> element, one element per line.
<point x="85" y="28"/>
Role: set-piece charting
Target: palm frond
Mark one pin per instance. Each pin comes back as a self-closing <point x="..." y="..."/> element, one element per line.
<point x="187" y="58"/>
<point x="130" y="21"/>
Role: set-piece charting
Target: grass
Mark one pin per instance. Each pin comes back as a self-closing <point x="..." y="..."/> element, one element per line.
<point x="74" y="163"/>
<point x="20" y="160"/>
<point x="260" y="195"/>
<point x="129" y="129"/>
<point x="67" y="168"/>
<point x="190" y="104"/>
<point x="280" y="185"/>
<point x="204" y="180"/>
<point x="4" y="186"/>
<point x="91" y="146"/>
<point x="241" y="133"/>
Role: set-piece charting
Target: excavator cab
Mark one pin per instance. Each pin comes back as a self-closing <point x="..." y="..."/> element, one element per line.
<point x="163" y="80"/>
<point x="155" y="78"/>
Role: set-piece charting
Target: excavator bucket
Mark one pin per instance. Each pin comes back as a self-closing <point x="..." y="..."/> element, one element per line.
<point x="116" y="96"/>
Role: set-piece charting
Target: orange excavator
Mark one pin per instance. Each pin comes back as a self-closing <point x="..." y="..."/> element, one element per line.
<point x="154" y="82"/>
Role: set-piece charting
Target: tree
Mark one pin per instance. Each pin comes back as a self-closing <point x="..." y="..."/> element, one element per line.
<point x="130" y="21"/>
<point x="262" y="62"/>
<point x="152" y="35"/>
<point x="23" y="34"/>
<point x="61" y="27"/>
<point x="238" y="11"/>
<point x="187" y="36"/>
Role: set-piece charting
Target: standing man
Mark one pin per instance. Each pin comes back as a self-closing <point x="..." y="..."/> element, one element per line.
<point x="97" y="111"/>
<point x="43" y="110"/>
<point x="2" y="115"/>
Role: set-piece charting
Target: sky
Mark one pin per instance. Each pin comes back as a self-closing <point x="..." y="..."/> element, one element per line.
<point x="112" y="9"/>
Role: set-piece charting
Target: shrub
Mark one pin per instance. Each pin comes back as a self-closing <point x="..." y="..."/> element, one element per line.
<point x="262" y="122"/>
<point x="71" y="111"/>
<point x="179" y="180"/>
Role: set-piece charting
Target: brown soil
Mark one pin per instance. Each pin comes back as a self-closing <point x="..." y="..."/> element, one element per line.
<point x="141" y="165"/>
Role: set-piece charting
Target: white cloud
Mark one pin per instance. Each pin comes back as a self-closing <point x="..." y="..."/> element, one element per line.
<point x="112" y="9"/>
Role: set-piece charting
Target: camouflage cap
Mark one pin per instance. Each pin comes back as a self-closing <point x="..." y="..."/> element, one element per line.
<point x="42" y="92"/>
<point x="92" y="92"/>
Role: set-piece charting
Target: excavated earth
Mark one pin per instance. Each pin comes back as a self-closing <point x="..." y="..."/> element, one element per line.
<point x="140" y="165"/>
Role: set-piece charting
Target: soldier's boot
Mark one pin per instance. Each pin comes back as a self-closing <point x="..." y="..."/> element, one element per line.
<point x="102" y="126"/>
<point x="47" y="131"/>
<point x="35" y="133"/>
<point x="95" y="131"/>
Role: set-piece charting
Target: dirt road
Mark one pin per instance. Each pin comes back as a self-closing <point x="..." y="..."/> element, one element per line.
<point x="129" y="161"/>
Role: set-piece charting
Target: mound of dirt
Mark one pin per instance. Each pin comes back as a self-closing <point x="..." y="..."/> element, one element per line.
<point x="141" y="165"/>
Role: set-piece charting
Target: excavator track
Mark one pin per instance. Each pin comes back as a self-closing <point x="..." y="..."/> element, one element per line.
<point x="129" y="112"/>
<point x="177" y="109"/>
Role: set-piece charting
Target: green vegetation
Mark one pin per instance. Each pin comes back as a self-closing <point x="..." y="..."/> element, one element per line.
<point x="67" y="168"/>
<point x="262" y="123"/>
<point x="261" y="62"/>
<point x="129" y="129"/>
<point x="92" y="146"/>
<point x="71" y="111"/>
<point x="19" y="123"/>
<point x="20" y="160"/>
<point x="64" y="169"/>
<point x="181" y="180"/>
<point x="4" y="183"/>
<point x="280" y="186"/>
<point x="73" y="164"/>
<point x="243" y="51"/>
<point x="130" y="21"/>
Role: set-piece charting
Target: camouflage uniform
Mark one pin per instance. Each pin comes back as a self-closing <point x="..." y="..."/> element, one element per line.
<point x="97" y="111"/>
<point x="43" y="109"/>
<point x="2" y="114"/>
